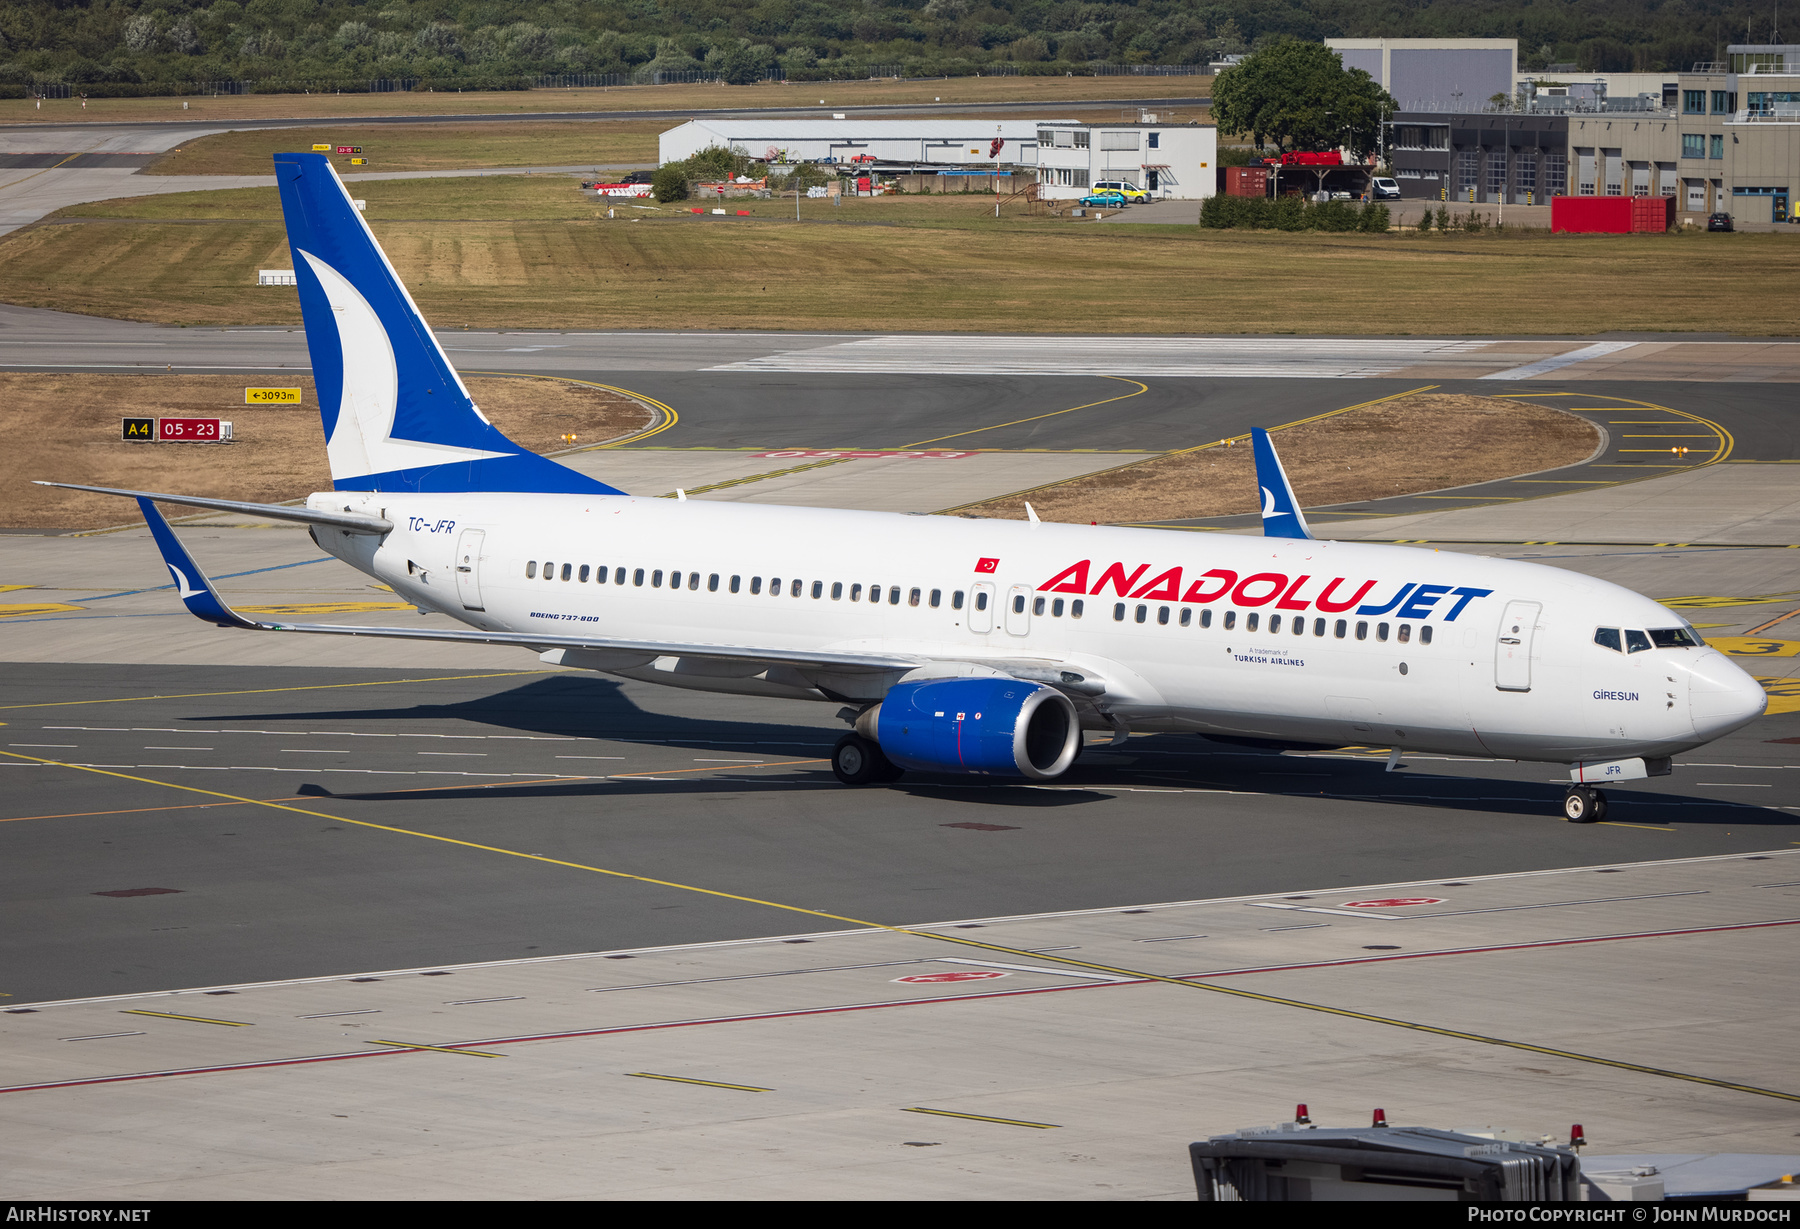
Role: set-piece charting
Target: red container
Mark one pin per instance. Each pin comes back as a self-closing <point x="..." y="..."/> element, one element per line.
<point x="1246" y="181"/>
<point x="1612" y="215"/>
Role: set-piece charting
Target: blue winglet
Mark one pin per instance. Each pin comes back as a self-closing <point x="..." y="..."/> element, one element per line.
<point x="196" y="591"/>
<point x="1281" y="515"/>
<point x="396" y="414"/>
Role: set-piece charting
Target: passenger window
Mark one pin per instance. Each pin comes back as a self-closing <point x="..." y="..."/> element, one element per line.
<point x="656" y="579"/>
<point x="818" y="589"/>
<point x="1187" y="615"/>
<point x="981" y="601"/>
<point x="755" y="585"/>
<point x="1018" y="603"/>
<point x="600" y="575"/>
<point x="694" y="581"/>
<point x="1424" y="633"/>
<point x="937" y="598"/>
<point x="1056" y="608"/>
<point x="837" y="590"/>
<point x="712" y="583"/>
<point x="1318" y="627"/>
<point x="856" y="593"/>
<point x="584" y="574"/>
<point x="1118" y="612"/>
<point x="1275" y="623"/>
<point x="1250" y="622"/>
<point x="568" y="571"/>
<point x="734" y="584"/>
<point x="1075" y="608"/>
<point x="1037" y="605"/>
<point x="1340" y="628"/>
<point x="1405" y="633"/>
<point x="1162" y="615"/>
<point x="1300" y="627"/>
<point x="531" y="570"/>
<point x="1608" y="638"/>
<point x="618" y="576"/>
<point x="1230" y="619"/>
<point x="674" y="580"/>
<point x="1635" y="641"/>
<point x="774" y="586"/>
<point x="1381" y="631"/>
<point x="549" y="570"/>
<point x="875" y="593"/>
<point x="1142" y="611"/>
<point x="1206" y="617"/>
<point x="637" y="576"/>
<point x="912" y="597"/>
<point x="956" y="600"/>
<point x="1362" y="631"/>
<point x="894" y="596"/>
<point x="795" y="589"/>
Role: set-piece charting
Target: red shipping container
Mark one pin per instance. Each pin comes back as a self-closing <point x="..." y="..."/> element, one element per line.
<point x="1246" y="181"/>
<point x="1612" y="215"/>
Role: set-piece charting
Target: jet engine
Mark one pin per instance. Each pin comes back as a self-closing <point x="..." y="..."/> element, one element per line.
<point x="988" y="726"/>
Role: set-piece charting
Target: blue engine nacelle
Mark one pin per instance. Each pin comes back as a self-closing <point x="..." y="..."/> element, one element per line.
<point x="990" y="726"/>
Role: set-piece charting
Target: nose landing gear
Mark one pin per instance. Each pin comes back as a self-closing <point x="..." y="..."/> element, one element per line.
<point x="1584" y="805"/>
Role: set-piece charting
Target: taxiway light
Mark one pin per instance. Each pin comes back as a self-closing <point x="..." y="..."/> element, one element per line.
<point x="1380" y="1119"/>
<point x="1300" y="1114"/>
<point x="1577" y="1137"/>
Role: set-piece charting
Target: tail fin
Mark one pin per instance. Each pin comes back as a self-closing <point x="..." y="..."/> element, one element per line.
<point x="1281" y="515"/>
<point x="397" y="417"/>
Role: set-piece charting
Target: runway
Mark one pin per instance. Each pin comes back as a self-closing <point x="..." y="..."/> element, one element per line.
<point x="646" y="928"/>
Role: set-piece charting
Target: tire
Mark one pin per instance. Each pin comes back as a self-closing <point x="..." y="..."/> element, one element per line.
<point x="1580" y="807"/>
<point x="1599" y="807"/>
<point x="857" y="761"/>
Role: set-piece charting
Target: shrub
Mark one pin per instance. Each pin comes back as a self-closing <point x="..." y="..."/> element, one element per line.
<point x="670" y="183"/>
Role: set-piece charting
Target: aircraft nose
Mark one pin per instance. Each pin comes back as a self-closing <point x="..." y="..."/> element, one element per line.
<point x="1721" y="697"/>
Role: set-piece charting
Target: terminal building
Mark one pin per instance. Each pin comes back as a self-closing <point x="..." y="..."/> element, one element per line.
<point x="884" y="143"/>
<point x="1725" y="139"/>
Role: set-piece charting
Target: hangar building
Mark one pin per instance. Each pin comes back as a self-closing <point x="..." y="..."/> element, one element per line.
<point x="888" y="142"/>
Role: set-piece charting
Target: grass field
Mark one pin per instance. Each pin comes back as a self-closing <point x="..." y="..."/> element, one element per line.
<point x="65" y="428"/>
<point x="1425" y="442"/>
<point x="425" y="147"/>
<point x="624" y="98"/>
<point x="533" y="253"/>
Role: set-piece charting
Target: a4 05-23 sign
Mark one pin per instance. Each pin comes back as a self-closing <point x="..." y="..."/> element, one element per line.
<point x="184" y="430"/>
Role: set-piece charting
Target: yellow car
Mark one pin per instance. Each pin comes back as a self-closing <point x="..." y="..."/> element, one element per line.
<point x="1129" y="191"/>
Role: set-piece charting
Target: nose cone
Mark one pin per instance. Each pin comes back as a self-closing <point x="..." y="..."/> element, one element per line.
<point x="1721" y="697"/>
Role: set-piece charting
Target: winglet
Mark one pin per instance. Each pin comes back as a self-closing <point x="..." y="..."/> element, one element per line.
<point x="1281" y="515"/>
<point x="196" y="591"/>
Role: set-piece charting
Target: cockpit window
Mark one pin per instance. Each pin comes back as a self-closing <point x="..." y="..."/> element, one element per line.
<point x="1636" y="641"/>
<point x="1674" y="638"/>
<point x="1608" y="638"/>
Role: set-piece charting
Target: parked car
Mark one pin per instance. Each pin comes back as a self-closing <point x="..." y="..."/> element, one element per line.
<point x="1115" y="200"/>
<point x="1381" y="189"/>
<point x="1129" y="191"/>
<point x="1718" y="221"/>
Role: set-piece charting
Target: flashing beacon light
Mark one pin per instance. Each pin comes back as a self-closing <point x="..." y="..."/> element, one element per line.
<point x="1577" y="1137"/>
<point x="1380" y="1119"/>
<point x="1300" y="1114"/>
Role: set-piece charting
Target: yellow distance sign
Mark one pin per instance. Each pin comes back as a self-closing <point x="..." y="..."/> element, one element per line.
<point x="271" y="396"/>
<point x="359" y="162"/>
<point x="321" y="149"/>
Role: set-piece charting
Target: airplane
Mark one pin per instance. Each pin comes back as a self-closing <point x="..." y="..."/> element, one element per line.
<point x="979" y="648"/>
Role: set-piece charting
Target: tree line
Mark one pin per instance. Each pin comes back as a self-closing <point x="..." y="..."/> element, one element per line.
<point x="496" y="43"/>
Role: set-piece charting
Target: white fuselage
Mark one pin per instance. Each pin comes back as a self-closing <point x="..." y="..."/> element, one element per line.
<point x="1210" y="633"/>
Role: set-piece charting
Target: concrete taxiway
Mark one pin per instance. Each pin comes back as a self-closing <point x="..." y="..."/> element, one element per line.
<point x="480" y="926"/>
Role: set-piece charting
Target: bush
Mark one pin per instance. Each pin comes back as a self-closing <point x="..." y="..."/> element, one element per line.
<point x="1290" y="213"/>
<point x="670" y="183"/>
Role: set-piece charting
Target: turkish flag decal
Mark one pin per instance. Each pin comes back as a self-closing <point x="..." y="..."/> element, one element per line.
<point x="987" y="565"/>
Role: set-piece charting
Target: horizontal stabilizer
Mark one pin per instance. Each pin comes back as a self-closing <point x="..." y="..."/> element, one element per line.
<point x="1281" y="515"/>
<point x="349" y="522"/>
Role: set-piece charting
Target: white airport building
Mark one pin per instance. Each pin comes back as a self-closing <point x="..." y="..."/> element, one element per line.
<point x="1172" y="161"/>
<point x="887" y="142"/>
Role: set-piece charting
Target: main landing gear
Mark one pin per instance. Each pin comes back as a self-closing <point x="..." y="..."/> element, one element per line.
<point x="1584" y="805"/>
<point x="857" y="761"/>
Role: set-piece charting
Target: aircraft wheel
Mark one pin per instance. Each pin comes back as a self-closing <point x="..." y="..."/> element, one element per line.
<point x="1599" y="806"/>
<point x="1582" y="805"/>
<point x="857" y="761"/>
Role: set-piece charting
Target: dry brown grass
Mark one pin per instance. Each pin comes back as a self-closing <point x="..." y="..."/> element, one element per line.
<point x="838" y="94"/>
<point x="65" y="428"/>
<point x="423" y="147"/>
<point x="1420" y="443"/>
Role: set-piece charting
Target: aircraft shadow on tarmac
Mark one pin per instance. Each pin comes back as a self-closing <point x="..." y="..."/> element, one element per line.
<point x="595" y="707"/>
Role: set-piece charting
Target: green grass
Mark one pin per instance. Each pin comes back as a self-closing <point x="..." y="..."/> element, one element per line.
<point x="424" y="147"/>
<point x="534" y="253"/>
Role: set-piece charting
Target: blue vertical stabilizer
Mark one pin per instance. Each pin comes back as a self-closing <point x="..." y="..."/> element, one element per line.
<point x="1281" y="515"/>
<point x="397" y="417"/>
